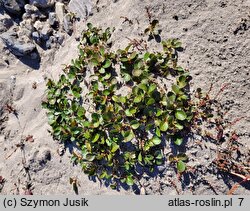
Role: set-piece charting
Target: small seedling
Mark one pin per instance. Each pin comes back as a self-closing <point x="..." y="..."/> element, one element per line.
<point x="126" y="19"/>
<point x="2" y="181"/>
<point x="179" y="161"/>
<point x="34" y="85"/>
<point x="29" y="138"/>
<point x="75" y="183"/>
<point x="152" y="30"/>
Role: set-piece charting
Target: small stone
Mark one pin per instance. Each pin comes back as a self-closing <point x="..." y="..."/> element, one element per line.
<point x="60" y="11"/>
<point x="30" y="9"/>
<point x="13" y="78"/>
<point x="61" y="151"/>
<point x="26" y="16"/>
<point x="46" y="32"/>
<point x="36" y="37"/>
<point x="27" y="24"/>
<point x="169" y="173"/>
<point x="38" y="25"/>
<point x="206" y="157"/>
<point x="67" y="24"/>
<point x="52" y="18"/>
<point x="48" y="44"/>
<point x="59" y="38"/>
<point x="43" y="3"/>
<point x="142" y="191"/>
<point x="161" y="168"/>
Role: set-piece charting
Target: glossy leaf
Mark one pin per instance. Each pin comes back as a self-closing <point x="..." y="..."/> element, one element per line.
<point x="178" y="141"/>
<point x="180" y="114"/>
<point x="164" y="126"/>
<point x="156" y="140"/>
<point x="181" y="166"/>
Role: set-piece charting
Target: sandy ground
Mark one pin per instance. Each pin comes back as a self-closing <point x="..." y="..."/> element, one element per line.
<point x="216" y="40"/>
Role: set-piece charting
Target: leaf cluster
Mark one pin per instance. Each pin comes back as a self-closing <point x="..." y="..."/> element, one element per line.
<point x="123" y="132"/>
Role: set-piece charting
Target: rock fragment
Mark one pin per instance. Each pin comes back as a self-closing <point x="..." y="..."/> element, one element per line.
<point x="13" y="6"/>
<point x="60" y="11"/>
<point x="18" y="47"/>
<point x="42" y="3"/>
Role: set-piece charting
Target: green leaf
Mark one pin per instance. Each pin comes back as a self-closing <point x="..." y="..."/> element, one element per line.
<point x="128" y="136"/>
<point x="156" y="140"/>
<point x="115" y="98"/>
<point x="126" y="77"/>
<point x="94" y="62"/>
<point x="90" y="158"/>
<point x="176" y="89"/>
<point x="106" y="92"/>
<point x="133" y="55"/>
<point x="181" y="166"/>
<point x="178" y="126"/>
<point x="140" y="158"/>
<point x="151" y="88"/>
<point x="129" y="180"/>
<point x="107" y="76"/>
<point x="146" y="56"/>
<point x="94" y="39"/>
<point x="97" y="136"/>
<point x="80" y="112"/>
<point x="143" y="87"/>
<point x="138" y="99"/>
<point x="102" y="70"/>
<point x="164" y="126"/>
<point x="180" y="114"/>
<point x="178" y="141"/>
<point x="158" y="132"/>
<point x="127" y="112"/>
<point x="182" y="156"/>
<point x="122" y="99"/>
<point x="135" y="124"/>
<point x="151" y="101"/>
<point x="182" y="81"/>
<point x="89" y="25"/>
<point x="132" y="110"/>
<point x="136" y="72"/>
<point x="115" y="147"/>
<point x="171" y="96"/>
<point x="107" y="64"/>
<point x="159" y="112"/>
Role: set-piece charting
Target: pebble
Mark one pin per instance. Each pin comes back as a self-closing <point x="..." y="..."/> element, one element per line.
<point x="52" y="18"/>
<point x="42" y="3"/>
<point x="38" y="25"/>
<point x="36" y="37"/>
<point x="67" y="24"/>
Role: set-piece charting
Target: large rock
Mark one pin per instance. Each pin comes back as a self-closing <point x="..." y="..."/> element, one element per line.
<point x="13" y="6"/>
<point x="17" y="46"/>
<point x="82" y="8"/>
<point x="42" y="3"/>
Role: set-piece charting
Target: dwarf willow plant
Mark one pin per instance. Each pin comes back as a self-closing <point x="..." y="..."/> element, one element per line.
<point x="118" y="133"/>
